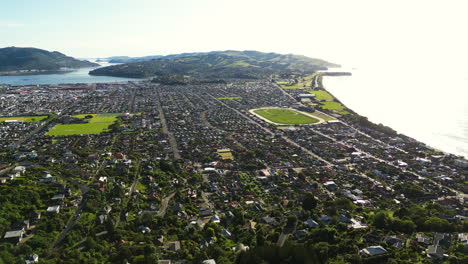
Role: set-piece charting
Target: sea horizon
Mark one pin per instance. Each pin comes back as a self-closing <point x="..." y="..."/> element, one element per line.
<point x="425" y="105"/>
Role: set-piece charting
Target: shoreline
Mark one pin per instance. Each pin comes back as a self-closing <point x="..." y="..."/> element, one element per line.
<point x="398" y="131"/>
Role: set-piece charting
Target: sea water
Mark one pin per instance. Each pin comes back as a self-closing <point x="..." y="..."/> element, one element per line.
<point x="429" y="104"/>
<point x="77" y="76"/>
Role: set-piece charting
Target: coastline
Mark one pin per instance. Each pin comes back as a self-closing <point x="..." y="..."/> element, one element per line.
<point x="344" y="94"/>
<point x="38" y="72"/>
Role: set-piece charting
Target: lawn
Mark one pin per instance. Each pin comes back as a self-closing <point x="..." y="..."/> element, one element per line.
<point x="229" y="98"/>
<point x="26" y="119"/>
<point x="285" y="116"/>
<point x="322" y="95"/>
<point x="333" y="106"/>
<point x="97" y="124"/>
<point x="295" y="86"/>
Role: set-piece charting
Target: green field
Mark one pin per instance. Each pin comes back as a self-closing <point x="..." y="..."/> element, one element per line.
<point x="26" y="119"/>
<point x="229" y="98"/>
<point x="288" y="87"/>
<point x="333" y="106"/>
<point x="285" y="116"/>
<point x="322" y="95"/>
<point x="97" y="124"/>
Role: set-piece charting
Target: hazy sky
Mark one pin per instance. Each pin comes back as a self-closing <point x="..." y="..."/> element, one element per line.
<point x="339" y="31"/>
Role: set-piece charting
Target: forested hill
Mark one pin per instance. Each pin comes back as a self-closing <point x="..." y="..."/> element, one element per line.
<point x="15" y="59"/>
<point x="235" y="64"/>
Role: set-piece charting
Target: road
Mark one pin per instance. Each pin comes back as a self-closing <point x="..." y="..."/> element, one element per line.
<point x="458" y="194"/>
<point x="73" y="219"/>
<point x="164" y="203"/>
<point x="172" y="139"/>
<point x="271" y="132"/>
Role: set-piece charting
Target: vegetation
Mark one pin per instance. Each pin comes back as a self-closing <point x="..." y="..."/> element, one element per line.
<point x="23" y="118"/>
<point x="234" y="64"/>
<point x="322" y="95"/>
<point x="15" y="59"/>
<point x="291" y="87"/>
<point x="285" y="116"/>
<point x="94" y="125"/>
<point x="333" y="106"/>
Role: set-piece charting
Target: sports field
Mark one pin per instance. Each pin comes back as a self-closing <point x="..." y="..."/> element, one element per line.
<point x="26" y="119"/>
<point x="97" y="124"/>
<point x="285" y="116"/>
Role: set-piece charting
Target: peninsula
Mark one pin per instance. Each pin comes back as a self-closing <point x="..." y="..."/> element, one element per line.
<point x="18" y="61"/>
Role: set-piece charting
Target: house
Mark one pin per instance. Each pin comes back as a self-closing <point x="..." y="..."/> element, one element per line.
<point x="159" y="240"/>
<point x="215" y="219"/>
<point x="311" y="223"/>
<point x="107" y="209"/>
<point x="19" y="169"/>
<point x="174" y="246"/>
<point x="32" y="259"/>
<point x="423" y="239"/>
<point x="394" y="241"/>
<point x="463" y="238"/>
<point x="355" y="224"/>
<point x="372" y="251"/>
<point x="53" y="209"/>
<point x="226" y="233"/>
<point x="326" y="220"/>
<point x="14" y="236"/>
<point x="435" y="251"/>
<point x="330" y="185"/>
<point x="58" y="197"/>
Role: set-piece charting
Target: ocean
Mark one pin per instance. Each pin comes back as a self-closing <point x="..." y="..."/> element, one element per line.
<point x="429" y="104"/>
<point x="76" y="76"/>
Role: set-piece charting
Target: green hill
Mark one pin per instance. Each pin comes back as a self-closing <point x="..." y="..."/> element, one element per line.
<point x="16" y="59"/>
<point x="233" y="64"/>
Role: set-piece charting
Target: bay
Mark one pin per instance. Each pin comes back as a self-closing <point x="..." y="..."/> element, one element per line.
<point x="77" y="76"/>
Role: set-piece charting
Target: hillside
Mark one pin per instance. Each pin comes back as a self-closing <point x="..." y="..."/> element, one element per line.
<point x="17" y="59"/>
<point x="234" y="64"/>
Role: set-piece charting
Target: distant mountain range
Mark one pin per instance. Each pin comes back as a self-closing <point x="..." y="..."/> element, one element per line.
<point x="228" y="64"/>
<point x="28" y="59"/>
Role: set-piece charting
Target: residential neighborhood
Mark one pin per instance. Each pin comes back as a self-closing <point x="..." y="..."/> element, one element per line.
<point x="186" y="173"/>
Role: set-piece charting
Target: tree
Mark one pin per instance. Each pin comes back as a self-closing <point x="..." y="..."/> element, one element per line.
<point x="310" y="202"/>
<point x="381" y="220"/>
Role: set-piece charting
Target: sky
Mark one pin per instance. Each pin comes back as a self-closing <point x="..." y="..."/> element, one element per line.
<point x="357" y="31"/>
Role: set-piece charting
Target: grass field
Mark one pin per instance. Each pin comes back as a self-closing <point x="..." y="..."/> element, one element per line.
<point x="97" y="124"/>
<point x="288" y="87"/>
<point x="322" y="95"/>
<point x="229" y="98"/>
<point x="26" y="119"/>
<point x="286" y="116"/>
<point x="333" y="106"/>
